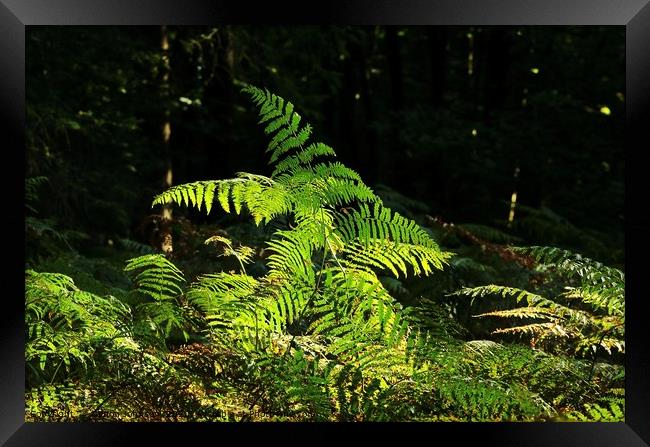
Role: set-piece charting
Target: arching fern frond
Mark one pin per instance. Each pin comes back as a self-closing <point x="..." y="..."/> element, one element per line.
<point x="264" y="198"/>
<point x="379" y="222"/>
<point x="216" y="291"/>
<point x="573" y="264"/>
<point x="158" y="277"/>
<point x="591" y="315"/>
<point x="532" y="300"/>
<point x="283" y="123"/>
<point x="381" y="239"/>
<point x="292" y="256"/>
<point x="523" y="312"/>
<point x="66" y="327"/>
<point x="395" y="257"/>
<point x="601" y="286"/>
<point x="303" y="159"/>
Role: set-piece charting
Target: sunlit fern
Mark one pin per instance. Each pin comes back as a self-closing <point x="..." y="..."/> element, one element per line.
<point x="66" y="326"/>
<point x="323" y="269"/>
<point x="588" y="315"/>
<point x="162" y="283"/>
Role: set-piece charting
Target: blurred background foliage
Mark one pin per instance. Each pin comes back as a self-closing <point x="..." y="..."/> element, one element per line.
<point x="459" y="118"/>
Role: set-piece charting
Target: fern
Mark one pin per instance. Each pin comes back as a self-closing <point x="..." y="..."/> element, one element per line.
<point x="160" y="280"/>
<point x="600" y="286"/>
<point x="322" y="279"/>
<point x="598" y="321"/>
<point x="303" y="158"/>
<point x="320" y="336"/>
<point x="598" y="413"/>
<point x="67" y="327"/>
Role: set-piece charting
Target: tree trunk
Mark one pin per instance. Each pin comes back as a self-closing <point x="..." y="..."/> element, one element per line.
<point x="166" y="245"/>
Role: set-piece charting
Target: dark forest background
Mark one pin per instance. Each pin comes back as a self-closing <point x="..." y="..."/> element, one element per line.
<point x="459" y="118"/>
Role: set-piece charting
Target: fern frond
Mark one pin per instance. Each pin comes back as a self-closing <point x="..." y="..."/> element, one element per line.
<point x="212" y="291"/>
<point x="230" y="302"/>
<point x="292" y="256"/>
<point x="535" y="329"/>
<point x="599" y="413"/>
<point x="385" y="254"/>
<point x="602" y="287"/>
<point x="573" y="264"/>
<point x="159" y="278"/>
<point x="66" y="327"/>
<point x="282" y="120"/>
<point x="531" y="299"/>
<point x="380" y="223"/>
<point x="303" y="158"/>
<point x="264" y="198"/>
<point x="523" y="312"/>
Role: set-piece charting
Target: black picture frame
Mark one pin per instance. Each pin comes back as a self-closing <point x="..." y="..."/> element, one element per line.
<point x="15" y="15"/>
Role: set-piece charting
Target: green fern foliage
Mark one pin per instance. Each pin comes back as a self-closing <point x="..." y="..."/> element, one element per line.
<point x="600" y="286"/>
<point x="296" y="185"/>
<point x="323" y="271"/>
<point x="66" y="327"/>
<point x="613" y="412"/>
<point x="317" y="333"/>
<point x="159" y="280"/>
<point x="588" y="315"/>
<point x="158" y="277"/>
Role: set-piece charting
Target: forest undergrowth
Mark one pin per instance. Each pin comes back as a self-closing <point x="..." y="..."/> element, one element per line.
<point x="315" y="297"/>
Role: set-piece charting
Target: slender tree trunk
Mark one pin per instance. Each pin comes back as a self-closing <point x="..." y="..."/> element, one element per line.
<point x="166" y="245"/>
<point x="470" y="70"/>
